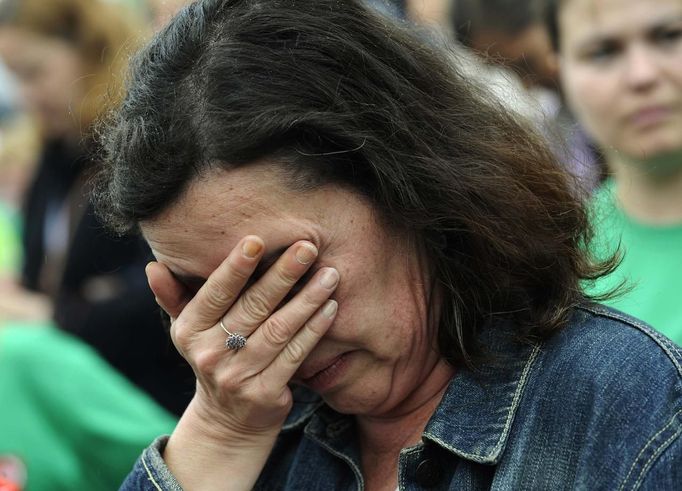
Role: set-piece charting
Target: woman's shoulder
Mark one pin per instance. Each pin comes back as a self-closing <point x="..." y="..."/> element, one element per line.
<point x="608" y="389"/>
<point x="607" y="357"/>
<point x="602" y="341"/>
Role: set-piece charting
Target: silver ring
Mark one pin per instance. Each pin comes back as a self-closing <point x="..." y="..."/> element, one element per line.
<point x="234" y="341"/>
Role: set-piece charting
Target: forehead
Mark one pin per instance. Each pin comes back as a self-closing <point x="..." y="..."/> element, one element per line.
<point x="221" y="200"/>
<point x="579" y="18"/>
<point x="196" y="233"/>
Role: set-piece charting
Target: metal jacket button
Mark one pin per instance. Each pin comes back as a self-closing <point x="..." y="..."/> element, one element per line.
<point x="428" y="473"/>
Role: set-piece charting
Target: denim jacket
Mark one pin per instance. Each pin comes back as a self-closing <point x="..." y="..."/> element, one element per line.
<point x="597" y="406"/>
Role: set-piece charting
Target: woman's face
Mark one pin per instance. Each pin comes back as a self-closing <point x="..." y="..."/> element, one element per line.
<point x="381" y="326"/>
<point x="621" y="69"/>
<point x="50" y="73"/>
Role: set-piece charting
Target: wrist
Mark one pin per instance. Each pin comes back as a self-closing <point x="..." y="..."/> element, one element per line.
<point x="204" y="453"/>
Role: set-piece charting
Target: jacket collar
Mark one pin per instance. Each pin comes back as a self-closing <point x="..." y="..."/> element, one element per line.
<point x="476" y="413"/>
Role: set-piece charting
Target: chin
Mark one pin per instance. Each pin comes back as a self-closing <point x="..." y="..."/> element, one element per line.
<point x="667" y="154"/>
<point x="349" y="401"/>
<point x="661" y="161"/>
<point x="664" y="145"/>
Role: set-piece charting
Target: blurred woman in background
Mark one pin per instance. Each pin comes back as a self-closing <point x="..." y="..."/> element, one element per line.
<point x="68" y="56"/>
<point x="621" y="70"/>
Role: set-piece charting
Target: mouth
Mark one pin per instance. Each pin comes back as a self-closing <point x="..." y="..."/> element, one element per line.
<point x="321" y="376"/>
<point x="649" y="116"/>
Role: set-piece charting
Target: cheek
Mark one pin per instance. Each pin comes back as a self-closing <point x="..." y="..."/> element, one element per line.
<point x="592" y="97"/>
<point x="676" y="74"/>
<point x="363" y="305"/>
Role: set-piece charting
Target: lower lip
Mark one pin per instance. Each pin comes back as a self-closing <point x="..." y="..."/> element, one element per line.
<point x="325" y="379"/>
<point x="650" y="117"/>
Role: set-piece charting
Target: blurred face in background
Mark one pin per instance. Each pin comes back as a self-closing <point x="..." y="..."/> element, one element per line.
<point x="529" y="53"/>
<point x="621" y="70"/>
<point x="51" y="76"/>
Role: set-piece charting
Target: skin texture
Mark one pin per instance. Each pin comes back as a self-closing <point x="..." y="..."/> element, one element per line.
<point x="391" y="376"/>
<point x="50" y="72"/>
<point x="621" y="70"/>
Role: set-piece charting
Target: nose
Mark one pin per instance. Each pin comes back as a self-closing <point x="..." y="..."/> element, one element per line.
<point x="641" y="68"/>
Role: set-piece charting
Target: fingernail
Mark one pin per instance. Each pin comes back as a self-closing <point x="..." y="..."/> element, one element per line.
<point x="329" y="309"/>
<point x="330" y="278"/>
<point x="251" y="248"/>
<point x="306" y="253"/>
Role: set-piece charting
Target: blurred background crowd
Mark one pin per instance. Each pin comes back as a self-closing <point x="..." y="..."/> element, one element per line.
<point x="88" y="375"/>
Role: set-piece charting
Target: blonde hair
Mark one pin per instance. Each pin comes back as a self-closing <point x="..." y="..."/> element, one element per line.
<point x="103" y="33"/>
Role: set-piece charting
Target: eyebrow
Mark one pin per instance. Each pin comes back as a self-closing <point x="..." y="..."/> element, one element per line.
<point x="664" y="23"/>
<point x="657" y="25"/>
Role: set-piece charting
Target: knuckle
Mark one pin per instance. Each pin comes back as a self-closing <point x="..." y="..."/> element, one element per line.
<point x="254" y="305"/>
<point x="227" y="381"/>
<point x="206" y="362"/>
<point x="256" y="393"/>
<point x="239" y="272"/>
<point x="278" y="402"/>
<point x="295" y="353"/>
<point x="312" y="298"/>
<point x="262" y="391"/>
<point x="317" y="327"/>
<point x="276" y="331"/>
<point x="181" y="332"/>
<point x="287" y="276"/>
<point x="284" y="401"/>
<point x="217" y="295"/>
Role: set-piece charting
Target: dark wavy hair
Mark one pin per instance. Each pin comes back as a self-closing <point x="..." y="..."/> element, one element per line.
<point x="334" y="94"/>
<point x="551" y="15"/>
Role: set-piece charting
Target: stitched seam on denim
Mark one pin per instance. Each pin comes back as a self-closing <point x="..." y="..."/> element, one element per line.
<point x="665" y="344"/>
<point x="646" y="447"/>
<point x="343" y="457"/>
<point x="642" y="327"/>
<point x="149" y="474"/>
<point x="669" y="344"/>
<point x="303" y="418"/>
<point x="410" y="451"/>
<point x="657" y="453"/>
<point x="510" y="416"/>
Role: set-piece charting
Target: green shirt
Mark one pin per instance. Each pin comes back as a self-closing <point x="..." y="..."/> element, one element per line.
<point x="652" y="264"/>
<point x="74" y="421"/>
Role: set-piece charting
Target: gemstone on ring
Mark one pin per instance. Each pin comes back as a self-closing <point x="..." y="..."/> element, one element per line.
<point x="235" y="341"/>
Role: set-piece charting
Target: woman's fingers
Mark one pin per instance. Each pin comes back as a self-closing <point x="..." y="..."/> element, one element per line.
<point x="285" y="336"/>
<point x="223" y="286"/>
<point x="283" y="368"/>
<point x="257" y="303"/>
<point x="275" y="335"/>
<point x="249" y="386"/>
<point x="171" y="295"/>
